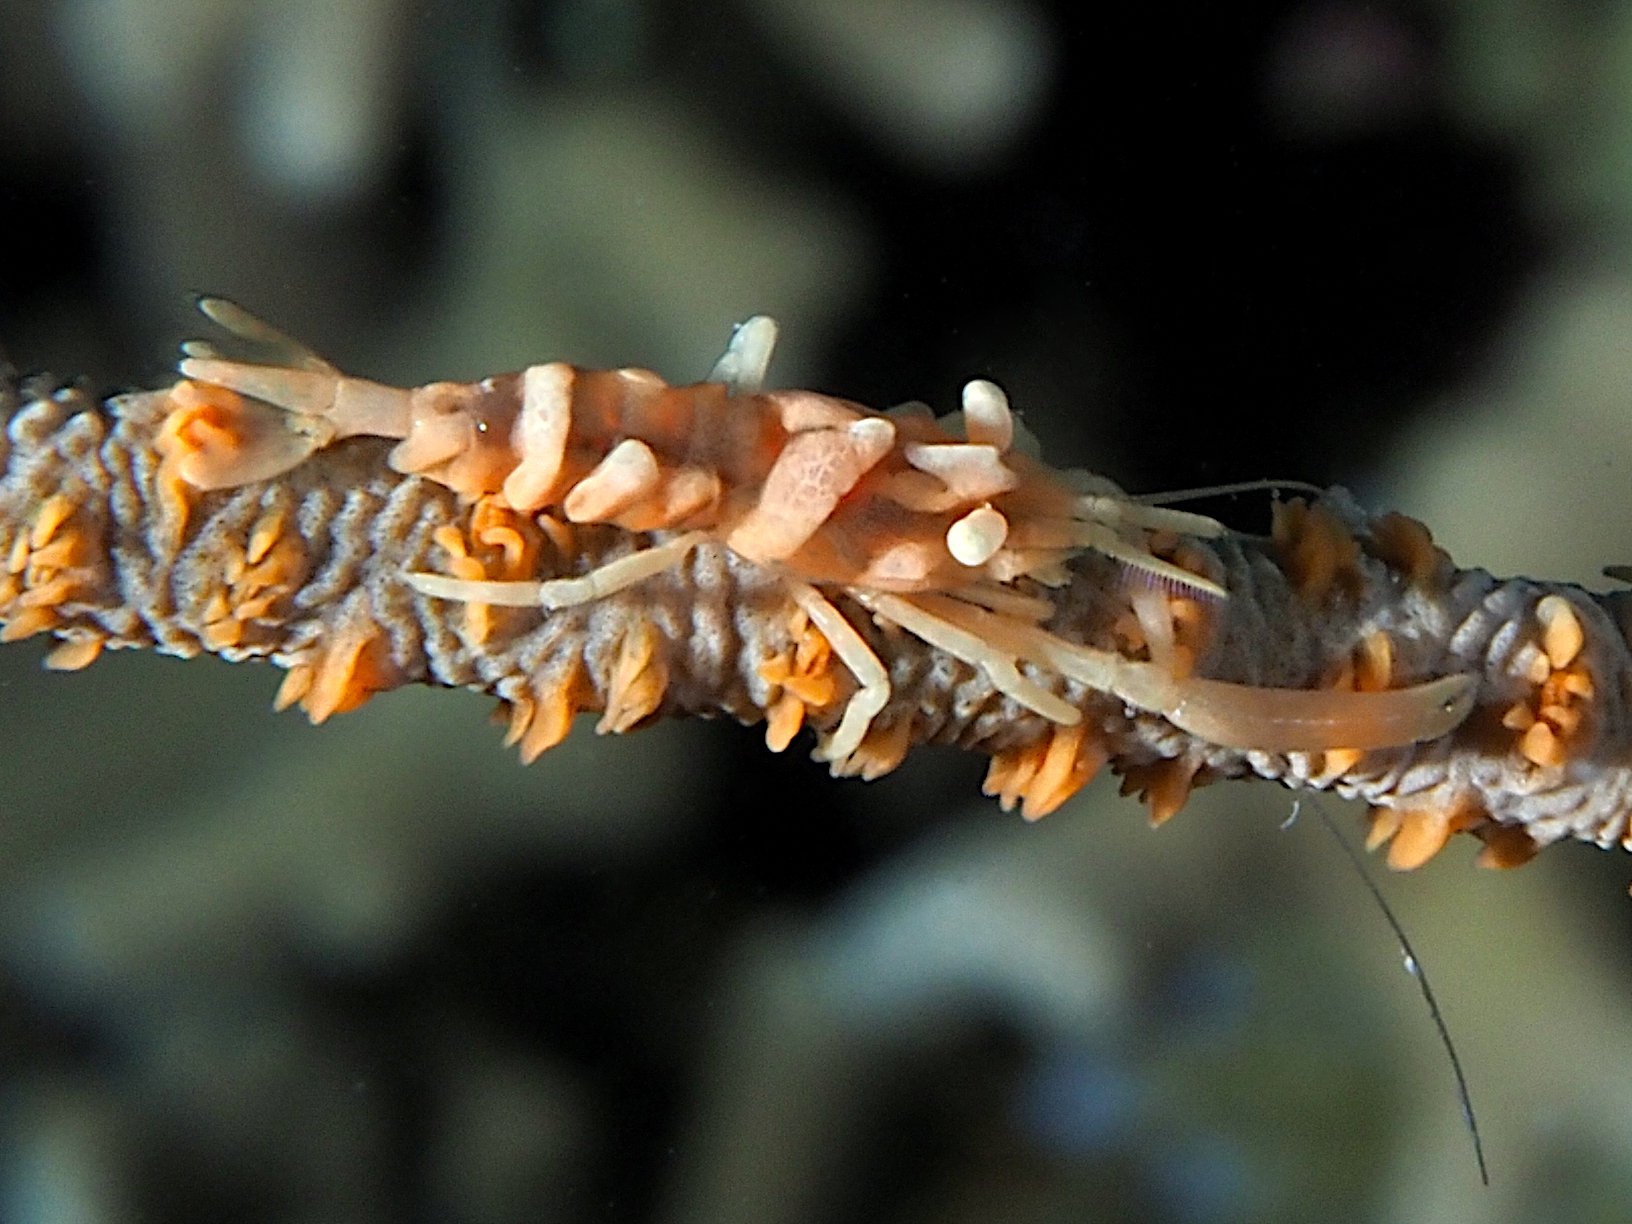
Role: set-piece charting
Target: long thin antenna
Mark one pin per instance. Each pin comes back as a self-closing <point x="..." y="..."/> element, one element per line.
<point x="1223" y="490"/>
<point x="1413" y="966"/>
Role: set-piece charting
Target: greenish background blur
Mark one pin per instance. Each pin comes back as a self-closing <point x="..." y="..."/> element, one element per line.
<point x="377" y="971"/>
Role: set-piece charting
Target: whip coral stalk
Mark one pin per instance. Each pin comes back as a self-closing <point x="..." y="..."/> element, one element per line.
<point x="572" y="540"/>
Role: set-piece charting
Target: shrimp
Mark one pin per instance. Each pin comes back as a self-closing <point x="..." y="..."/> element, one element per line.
<point x="938" y="527"/>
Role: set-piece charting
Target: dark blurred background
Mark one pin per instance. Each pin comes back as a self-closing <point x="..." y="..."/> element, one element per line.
<point x="377" y="971"/>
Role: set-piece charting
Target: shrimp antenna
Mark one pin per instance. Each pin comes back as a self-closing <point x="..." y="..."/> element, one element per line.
<point x="1224" y="490"/>
<point x="1413" y="966"/>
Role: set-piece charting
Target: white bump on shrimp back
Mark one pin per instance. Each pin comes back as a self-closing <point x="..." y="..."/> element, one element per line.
<point x="975" y="538"/>
<point x="628" y="473"/>
<point x="747" y="356"/>
<point x="986" y="415"/>
<point x="540" y="434"/>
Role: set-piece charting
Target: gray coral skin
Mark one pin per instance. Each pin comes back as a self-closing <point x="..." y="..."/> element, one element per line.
<point x="362" y="526"/>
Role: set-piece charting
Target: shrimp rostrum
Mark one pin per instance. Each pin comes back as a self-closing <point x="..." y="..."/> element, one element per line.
<point x="582" y="540"/>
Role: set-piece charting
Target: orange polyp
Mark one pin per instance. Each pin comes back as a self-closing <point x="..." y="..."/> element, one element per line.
<point x="1541" y="746"/>
<point x="880" y="751"/>
<point x="265" y="533"/>
<point x="352" y="669"/>
<point x="1071" y="760"/>
<point x="1554" y="690"/>
<point x="1405" y="545"/>
<point x="1051" y="785"/>
<point x="1164" y="785"/>
<point x="555" y="705"/>
<point x="297" y="682"/>
<point x="1422" y="835"/>
<point x="509" y="545"/>
<point x="478" y="616"/>
<point x="52" y="514"/>
<point x="1374" y="663"/>
<point x="459" y="562"/>
<point x="783" y="718"/>
<point x="49" y="594"/>
<point x="1191" y="628"/>
<point x="233" y="563"/>
<point x="46" y="589"/>
<point x="812" y="651"/>
<point x="1546" y="726"/>
<point x="508" y="541"/>
<point x="1562" y="635"/>
<point x="1563" y="719"/>
<point x="1011" y="772"/>
<point x="638" y="680"/>
<point x="1335" y="762"/>
<point x="1506" y="846"/>
<point x="518" y="716"/>
<point x="998" y="769"/>
<point x="1187" y="613"/>
<point x="275" y="575"/>
<point x="1518" y="717"/>
<point x="217" y="607"/>
<point x="815" y="690"/>
<point x="220" y="634"/>
<point x="46" y="564"/>
<point x="175" y="500"/>
<point x="1317" y="552"/>
<point x="1423" y="832"/>
<point x="804" y="672"/>
<point x="343" y="686"/>
<point x="74" y="655"/>
<point x="1018" y="782"/>
<point x="258" y="607"/>
<point x="1385" y="822"/>
<point x="493" y="525"/>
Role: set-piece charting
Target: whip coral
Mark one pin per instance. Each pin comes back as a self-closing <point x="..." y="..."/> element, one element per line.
<point x="572" y="540"/>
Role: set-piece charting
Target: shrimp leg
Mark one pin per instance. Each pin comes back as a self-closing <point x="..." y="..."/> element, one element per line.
<point x="556" y="593"/>
<point x="853" y="650"/>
